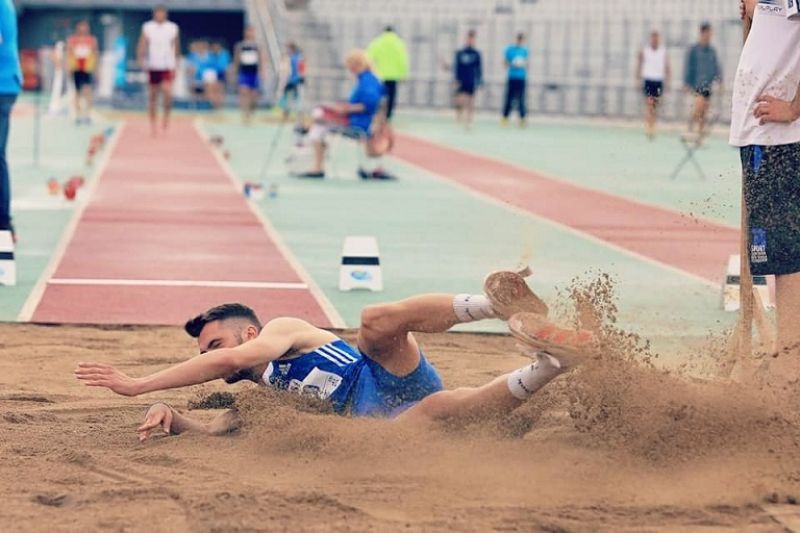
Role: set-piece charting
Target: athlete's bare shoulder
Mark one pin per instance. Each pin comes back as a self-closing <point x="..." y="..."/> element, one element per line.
<point x="305" y="336"/>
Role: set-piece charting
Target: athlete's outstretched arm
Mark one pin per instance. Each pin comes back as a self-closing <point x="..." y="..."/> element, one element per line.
<point x="275" y="339"/>
<point x="172" y="422"/>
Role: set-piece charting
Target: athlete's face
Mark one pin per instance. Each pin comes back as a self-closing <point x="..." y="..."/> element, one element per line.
<point x="82" y="28"/>
<point x="705" y="37"/>
<point x="249" y="34"/>
<point x="159" y="15"/>
<point x="228" y="334"/>
<point x="655" y="39"/>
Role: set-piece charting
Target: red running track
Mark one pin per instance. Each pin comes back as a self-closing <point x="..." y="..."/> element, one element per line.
<point x="165" y="224"/>
<point x="698" y="247"/>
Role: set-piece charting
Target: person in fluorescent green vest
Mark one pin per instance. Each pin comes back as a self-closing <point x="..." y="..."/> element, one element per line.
<point x="388" y="53"/>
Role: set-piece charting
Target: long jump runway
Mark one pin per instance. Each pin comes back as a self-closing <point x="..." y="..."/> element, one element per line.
<point x="167" y="233"/>
<point x="697" y="247"/>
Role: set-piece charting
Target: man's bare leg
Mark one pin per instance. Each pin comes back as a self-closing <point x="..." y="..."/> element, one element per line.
<point x="166" y="95"/>
<point x="152" y="104"/>
<point x="386" y="329"/>
<point x="469" y="110"/>
<point x="650" y="117"/>
<point x="702" y="111"/>
<point x="505" y="393"/>
<point x="87" y="93"/>
<point x="319" y="155"/>
<point x="786" y="367"/>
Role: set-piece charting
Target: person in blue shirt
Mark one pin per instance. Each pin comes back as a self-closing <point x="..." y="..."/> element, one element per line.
<point x="10" y="86"/>
<point x="220" y="62"/>
<point x="383" y="374"/>
<point x="295" y="78"/>
<point x="352" y="118"/>
<point x="516" y="60"/>
<point x="202" y="68"/>
<point x="468" y="77"/>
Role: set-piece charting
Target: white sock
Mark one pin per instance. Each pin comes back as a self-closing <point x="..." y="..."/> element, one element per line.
<point x="525" y="381"/>
<point x="472" y="307"/>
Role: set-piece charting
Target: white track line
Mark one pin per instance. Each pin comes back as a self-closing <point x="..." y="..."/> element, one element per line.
<point x="36" y="294"/>
<point x="330" y="311"/>
<point x="179" y="283"/>
<point x="587" y="236"/>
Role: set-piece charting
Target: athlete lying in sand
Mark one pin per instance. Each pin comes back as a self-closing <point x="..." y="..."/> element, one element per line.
<point x="386" y="376"/>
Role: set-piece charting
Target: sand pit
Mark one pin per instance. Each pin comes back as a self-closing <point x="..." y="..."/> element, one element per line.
<point x="612" y="447"/>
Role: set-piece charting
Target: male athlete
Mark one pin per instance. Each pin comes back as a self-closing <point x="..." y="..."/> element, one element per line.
<point x="385" y="376"/>
<point x="158" y="52"/>
<point x="248" y="63"/>
<point x="653" y="73"/>
<point x="82" y="55"/>
<point x="468" y="77"/>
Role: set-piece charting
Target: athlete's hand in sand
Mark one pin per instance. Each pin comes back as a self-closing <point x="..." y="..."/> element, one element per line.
<point x="159" y="414"/>
<point x="105" y="375"/>
<point x="771" y="109"/>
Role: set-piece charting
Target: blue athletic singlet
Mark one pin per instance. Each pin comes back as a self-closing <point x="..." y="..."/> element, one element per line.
<point x="352" y="382"/>
<point x="328" y="372"/>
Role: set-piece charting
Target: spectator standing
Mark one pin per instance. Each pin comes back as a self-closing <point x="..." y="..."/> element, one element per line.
<point x="10" y="86"/>
<point x="157" y="52"/>
<point x="702" y="73"/>
<point x="653" y="74"/>
<point x="221" y="60"/>
<point x="390" y="59"/>
<point x="468" y="77"/>
<point x="295" y="79"/>
<point x="765" y="125"/>
<point x="248" y="63"/>
<point x="82" y="53"/>
<point x="516" y="61"/>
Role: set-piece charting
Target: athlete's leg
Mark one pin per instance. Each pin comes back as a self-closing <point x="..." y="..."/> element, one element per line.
<point x="152" y="102"/>
<point x="786" y="366"/>
<point x="385" y="334"/>
<point x="702" y="112"/>
<point x="460" y="97"/>
<point x="505" y="393"/>
<point x="166" y="95"/>
<point x="469" y="109"/>
<point x="650" y="116"/>
<point x="507" y="101"/>
<point x="87" y="92"/>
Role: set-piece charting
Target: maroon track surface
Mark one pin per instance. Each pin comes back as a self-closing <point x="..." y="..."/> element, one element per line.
<point x="698" y="247"/>
<point x="164" y="209"/>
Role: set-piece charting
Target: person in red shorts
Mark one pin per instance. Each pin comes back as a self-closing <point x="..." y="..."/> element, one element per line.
<point x="157" y="53"/>
<point x="81" y="61"/>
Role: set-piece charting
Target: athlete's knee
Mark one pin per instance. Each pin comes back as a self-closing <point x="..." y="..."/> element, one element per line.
<point x="382" y="321"/>
<point x="440" y="405"/>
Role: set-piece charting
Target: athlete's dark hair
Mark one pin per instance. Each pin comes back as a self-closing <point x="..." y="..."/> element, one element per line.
<point x="389" y="28"/>
<point x="221" y="312"/>
<point x="160" y="7"/>
<point x="520" y="36"/>
<point x="705" y="26"/>
<point x="471" y="34"/>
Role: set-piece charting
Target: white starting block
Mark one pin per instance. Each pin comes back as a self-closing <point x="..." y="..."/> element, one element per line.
<point x="8" y="268"/>
<point x="361" y="265"/>
<point x="731" y="292"/>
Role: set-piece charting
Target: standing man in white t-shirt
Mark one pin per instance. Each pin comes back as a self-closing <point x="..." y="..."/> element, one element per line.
<point x="158" y="52"/>
<point x="765" y="124"/>
<point x="653" y="74"/>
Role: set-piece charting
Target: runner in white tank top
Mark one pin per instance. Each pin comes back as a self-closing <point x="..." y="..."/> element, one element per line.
<point x="652" y="73"/>
<point x="157" y="52"/>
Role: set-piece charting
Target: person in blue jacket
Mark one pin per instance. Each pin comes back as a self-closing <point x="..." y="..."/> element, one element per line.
<point x="10" y="86"/>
